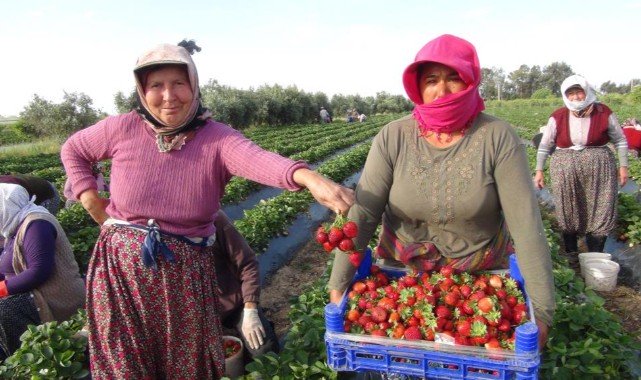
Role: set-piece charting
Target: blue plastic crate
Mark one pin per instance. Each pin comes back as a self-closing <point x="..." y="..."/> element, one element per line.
<point x="423" y="359"/>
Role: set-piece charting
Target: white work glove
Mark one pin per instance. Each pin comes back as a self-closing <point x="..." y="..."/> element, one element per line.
<point x="252" y="328"/>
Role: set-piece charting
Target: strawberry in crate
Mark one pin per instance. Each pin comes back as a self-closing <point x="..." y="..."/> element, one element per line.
<point x="340" y="234"/>
<point x="466" y="309"/>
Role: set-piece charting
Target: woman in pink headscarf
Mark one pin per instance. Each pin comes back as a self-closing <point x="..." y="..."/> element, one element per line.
<point x="447" y="181"/>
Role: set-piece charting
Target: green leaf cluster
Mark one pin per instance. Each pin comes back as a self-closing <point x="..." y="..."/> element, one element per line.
<point x="50" y="351"/>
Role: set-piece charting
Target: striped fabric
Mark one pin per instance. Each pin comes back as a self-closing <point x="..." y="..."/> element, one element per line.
<point x="425" y="256"/>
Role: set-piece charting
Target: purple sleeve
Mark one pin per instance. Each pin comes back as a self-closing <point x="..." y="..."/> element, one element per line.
<point x="39" y="253"/>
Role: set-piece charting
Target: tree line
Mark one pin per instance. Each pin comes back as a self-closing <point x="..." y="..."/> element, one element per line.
<point x="272" y="105"/>
<point x="536" y="82"/>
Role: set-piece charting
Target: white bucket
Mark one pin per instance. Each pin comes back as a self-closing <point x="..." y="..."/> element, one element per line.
<point x="592" y="255"/>
<point x="601" y="274"/>
<point x="234" y="365"/>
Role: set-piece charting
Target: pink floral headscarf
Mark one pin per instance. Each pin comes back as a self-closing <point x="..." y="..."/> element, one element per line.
<point x="454" y="112"/>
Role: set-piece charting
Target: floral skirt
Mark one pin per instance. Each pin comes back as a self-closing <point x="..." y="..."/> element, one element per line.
<point x="585" y="187"/>
<point x="152" y="324"/>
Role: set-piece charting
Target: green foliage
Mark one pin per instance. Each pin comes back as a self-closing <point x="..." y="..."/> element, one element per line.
<point x="83" y="242"/>
<point x="17" y="164"/>
<point x="304" y="355"/>
<point x="629" y="218"/>
<point x="47" y="145"/>
<point x="635" y="95"/>
<point x="74" y="218"/>
<point x="59" y="120"/>
<point x="50" y="351"/>
<point x="12" y="134"/>
<point x="51" y="174"/>
<point x="125" y="103"/>
<point x="543" y="93"/>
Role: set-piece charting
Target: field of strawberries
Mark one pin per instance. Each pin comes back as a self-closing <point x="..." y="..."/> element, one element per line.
<point x="476" y="311"/>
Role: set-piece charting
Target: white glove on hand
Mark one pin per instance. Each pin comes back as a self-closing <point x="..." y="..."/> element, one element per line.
<point x="252" y="328"/>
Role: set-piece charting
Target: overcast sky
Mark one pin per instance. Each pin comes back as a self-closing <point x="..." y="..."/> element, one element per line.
<point x="333" y="46"/>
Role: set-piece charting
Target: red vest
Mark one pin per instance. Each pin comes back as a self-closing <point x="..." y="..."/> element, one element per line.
<point x="598" y="134"/>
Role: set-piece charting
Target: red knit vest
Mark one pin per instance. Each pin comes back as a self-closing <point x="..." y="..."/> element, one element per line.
<point x="598" y="134"/>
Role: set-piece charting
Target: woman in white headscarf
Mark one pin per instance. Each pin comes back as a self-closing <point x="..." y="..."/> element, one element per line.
<point x="39" y="277"/>
<point x="583" y="168"/>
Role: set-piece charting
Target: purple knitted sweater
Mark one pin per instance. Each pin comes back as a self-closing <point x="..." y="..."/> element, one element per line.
<point x="181" y="189"/>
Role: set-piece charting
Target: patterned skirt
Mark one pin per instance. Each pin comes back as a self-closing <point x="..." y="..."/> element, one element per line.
<point x="152" y="324"/>
<point x="426" y="257"/>
<point x="16" y="313"/>
<point x="585" y="190"/>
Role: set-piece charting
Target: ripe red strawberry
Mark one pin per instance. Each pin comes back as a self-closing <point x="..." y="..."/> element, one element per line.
<point x="504" y="325"/>
<point x="346" y="245"/>
<point x="328" y="247"/>
<point x="443" y="311"/>
<point x="335" y="235"/>
<point x="493" y="344"/>
<point x="378" y="314"/>
<point x="359" y="287"/>
<point x="353" y="315"/>
<point x="451" y="298"/>
<point x="350" y="229"/>
<point x="413" y="333"/>
<point x="355" y="258"/>
<point x="446" y="271"/>
<point x="378" y="332"/>
<point x="321" y="235"/>
<point x="485" y="304"/>
<point x="466" y="290"/>
<point x="496" y="281"/>
<point x="468" y="307"/>
<point x="464" y="327"/>
<point x="501" y="294"/>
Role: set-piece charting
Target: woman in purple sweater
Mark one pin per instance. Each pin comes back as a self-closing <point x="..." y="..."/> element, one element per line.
<point x="152" y="304"/>
<point x="39" y="276"/>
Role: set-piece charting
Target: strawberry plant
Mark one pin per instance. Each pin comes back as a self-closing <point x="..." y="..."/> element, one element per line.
<point x="629" y="219"/>
<point x="50" y="351"/>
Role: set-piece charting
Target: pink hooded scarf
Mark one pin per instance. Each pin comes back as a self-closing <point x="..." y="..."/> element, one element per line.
<point x="454" y="112"/>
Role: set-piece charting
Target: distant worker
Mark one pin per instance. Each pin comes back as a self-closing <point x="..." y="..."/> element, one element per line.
<point x="362" y="117"/>
<point x="350" y="115"/>
<point x="97" y="169"/>
<point x="325" y="116"/>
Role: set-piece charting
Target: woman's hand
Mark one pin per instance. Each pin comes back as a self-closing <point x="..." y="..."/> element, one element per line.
<point x="95" y="205"/>
<point x="623" y="175"/>
<point x="539" y="182"/>
<point x="327" y="192"/>
<point x="335" y="296"/>
<point x="543" y="334"/>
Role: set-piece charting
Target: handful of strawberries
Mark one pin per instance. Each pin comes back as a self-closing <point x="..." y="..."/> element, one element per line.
<point x="339" y="235"/>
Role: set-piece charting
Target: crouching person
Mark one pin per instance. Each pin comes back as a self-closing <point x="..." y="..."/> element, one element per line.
<point x="239" y="290"/>
<point x="39" y="277"/>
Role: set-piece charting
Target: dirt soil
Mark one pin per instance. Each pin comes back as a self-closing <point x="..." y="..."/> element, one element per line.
<point x="309" y="263"/>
